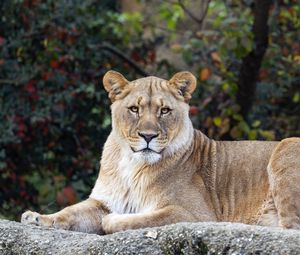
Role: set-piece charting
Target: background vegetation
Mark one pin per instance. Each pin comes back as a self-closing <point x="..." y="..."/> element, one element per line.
<point x="54" y="113"/>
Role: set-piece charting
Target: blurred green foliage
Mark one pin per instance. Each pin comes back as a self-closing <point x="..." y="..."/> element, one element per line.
<point x="54" y="113"/>
<point x="217" y="52"/>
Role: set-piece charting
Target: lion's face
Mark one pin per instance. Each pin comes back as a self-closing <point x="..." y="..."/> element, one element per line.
<point x="150" y="115"/>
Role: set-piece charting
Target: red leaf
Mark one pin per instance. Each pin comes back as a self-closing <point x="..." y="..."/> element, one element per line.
<point x="194" y="110"/>
<point x="205" y="74"/>
<point x="136" y="56"/>
<point x="22" y="127"/>
<point x="25" y="21"/>
<point x="51" y="144"/>
<point x="67" y="196"/>
<point x="2" y="41"/>
<point x="46" y="76"/>
<point x="45" y="130"/>
<point x="152" y="56"/>
<point x="21" y="130"/>
<point x="54" y="64"/>
<point x="73" y="94"/>
<point x="30" y="87"/>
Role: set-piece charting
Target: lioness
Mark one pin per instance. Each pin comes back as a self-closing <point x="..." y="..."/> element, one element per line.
<point x="157" y="170"/>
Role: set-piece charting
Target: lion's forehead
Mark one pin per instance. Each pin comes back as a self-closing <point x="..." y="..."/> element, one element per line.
<point x="151" y="90"/>
<point x="149" y="80"/>
<point x="150" y="85"/>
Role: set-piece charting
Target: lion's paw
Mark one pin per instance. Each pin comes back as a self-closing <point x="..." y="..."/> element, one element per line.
<point x="37" y="219"/>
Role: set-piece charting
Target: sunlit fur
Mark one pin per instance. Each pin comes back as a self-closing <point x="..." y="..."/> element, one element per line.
<point x="183" y="175"/>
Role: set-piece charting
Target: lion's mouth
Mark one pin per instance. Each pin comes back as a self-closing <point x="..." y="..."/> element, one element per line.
<point x="146" y="150"/>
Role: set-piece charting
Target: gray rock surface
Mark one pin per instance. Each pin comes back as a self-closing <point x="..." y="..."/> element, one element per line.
<point x="182" y="238"/>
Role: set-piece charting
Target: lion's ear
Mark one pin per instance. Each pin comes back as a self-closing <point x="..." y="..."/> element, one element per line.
<point x="185" y="82"/>
<point x="114" y="83"/>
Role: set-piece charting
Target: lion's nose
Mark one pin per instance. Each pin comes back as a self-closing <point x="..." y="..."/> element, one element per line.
<point x="148" y="136"/>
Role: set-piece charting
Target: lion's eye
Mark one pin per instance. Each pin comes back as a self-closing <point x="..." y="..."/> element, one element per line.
<point x="134" y="109"/>
<point x="165" y="110"/>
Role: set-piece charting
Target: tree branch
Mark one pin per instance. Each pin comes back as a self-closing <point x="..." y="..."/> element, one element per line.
<point x="252" y="62"/>
<point x="104" y="46"/>
<point x="20" y="81"/>
<point x="122" y="56"/>
<point x="6" y="81"/>
<point x="203" y="14"/>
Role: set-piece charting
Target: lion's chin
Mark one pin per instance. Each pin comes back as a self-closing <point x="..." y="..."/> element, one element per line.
<point x="147" y="156"/>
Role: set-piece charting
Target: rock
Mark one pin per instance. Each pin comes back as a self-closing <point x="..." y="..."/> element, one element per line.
<point x="181" y="238"/>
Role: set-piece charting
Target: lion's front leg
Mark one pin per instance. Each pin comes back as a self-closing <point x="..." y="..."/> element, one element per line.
<point x="112" y="223"/>
<point x="84" y="217"/>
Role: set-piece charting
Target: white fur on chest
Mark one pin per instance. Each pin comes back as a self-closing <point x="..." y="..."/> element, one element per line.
<point x="128" y="195"/>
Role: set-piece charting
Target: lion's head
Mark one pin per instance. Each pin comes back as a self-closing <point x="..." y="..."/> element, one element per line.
<point x="150" y="115"/>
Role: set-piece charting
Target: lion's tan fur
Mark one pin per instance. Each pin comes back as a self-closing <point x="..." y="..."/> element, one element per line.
<point x="185" y="176"/>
